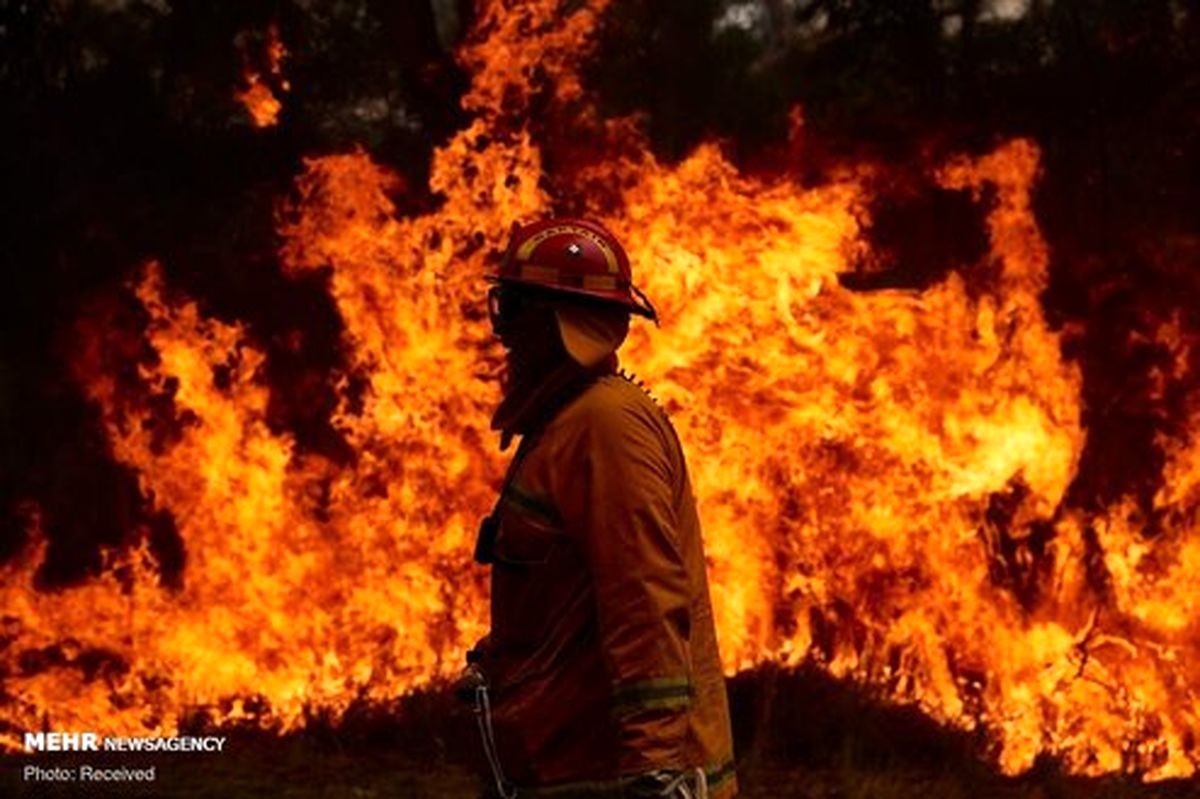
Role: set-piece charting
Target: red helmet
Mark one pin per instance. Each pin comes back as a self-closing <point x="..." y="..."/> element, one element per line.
<point x="572" y="256"/>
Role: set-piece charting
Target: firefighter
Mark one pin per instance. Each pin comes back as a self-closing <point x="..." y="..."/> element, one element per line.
<point x="600" y="675"/>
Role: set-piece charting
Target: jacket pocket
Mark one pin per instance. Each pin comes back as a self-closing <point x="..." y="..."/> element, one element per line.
<point x="529" y="530"/>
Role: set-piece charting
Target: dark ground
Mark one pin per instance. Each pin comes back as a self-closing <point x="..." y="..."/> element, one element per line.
<point x="836" y="745"/>
<point x="294" y="770"/>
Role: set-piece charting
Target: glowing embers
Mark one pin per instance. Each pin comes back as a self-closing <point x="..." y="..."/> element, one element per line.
<point x="262" y="82"/>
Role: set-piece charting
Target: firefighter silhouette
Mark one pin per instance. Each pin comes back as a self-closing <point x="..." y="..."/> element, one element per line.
<point x="600" y="675"/>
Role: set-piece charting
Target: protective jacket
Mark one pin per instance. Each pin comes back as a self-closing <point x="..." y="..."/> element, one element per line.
<point x="602" y="655"/>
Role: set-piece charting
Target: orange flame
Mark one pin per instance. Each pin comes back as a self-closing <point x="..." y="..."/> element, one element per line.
<point x="846" y="447"/>
<point x="257" y="97"/>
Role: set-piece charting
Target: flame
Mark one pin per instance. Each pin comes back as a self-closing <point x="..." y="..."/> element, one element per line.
<point x="257" y="97"/>
<point x="881" y="476"/>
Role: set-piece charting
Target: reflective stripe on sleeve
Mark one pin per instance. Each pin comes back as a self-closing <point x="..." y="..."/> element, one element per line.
<point x="664" y="692"/>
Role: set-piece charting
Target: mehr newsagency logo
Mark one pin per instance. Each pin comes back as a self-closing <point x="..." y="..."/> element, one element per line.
<point x="92" y="742"/>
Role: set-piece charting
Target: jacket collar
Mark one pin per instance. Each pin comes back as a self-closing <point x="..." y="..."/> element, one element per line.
<point x="526" y="409"/>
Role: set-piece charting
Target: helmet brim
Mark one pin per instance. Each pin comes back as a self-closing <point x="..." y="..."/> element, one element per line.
<point x="632" y="305"/>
